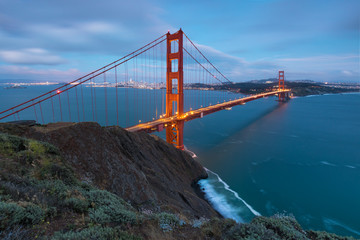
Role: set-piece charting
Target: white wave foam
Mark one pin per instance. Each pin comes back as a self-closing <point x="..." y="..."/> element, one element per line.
<point x="192" y="154"/>
<point x="294" y="136"/>
<point x="235" y="193"/>
<point x="329" y="223"/>
<point x="349" y="166"/>
<point x="327" y="163"/>
<point x="219" y="202"/>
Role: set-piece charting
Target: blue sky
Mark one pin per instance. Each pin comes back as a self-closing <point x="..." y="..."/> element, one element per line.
<point x="49" y="40"/>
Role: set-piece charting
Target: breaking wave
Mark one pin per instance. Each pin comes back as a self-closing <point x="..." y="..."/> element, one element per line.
<point x="225" y="200"/>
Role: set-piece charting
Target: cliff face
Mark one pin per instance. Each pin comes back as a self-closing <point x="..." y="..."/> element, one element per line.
<point x="142" y="169"/>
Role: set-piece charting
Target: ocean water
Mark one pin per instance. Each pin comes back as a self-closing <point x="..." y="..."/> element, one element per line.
<point x="301" y="157"/>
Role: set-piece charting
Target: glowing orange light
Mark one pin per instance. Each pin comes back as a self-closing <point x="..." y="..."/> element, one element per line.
<point x="58" y="91"/>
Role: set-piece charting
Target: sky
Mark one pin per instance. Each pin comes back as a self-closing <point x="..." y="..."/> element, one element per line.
<point x="48" y="40"/>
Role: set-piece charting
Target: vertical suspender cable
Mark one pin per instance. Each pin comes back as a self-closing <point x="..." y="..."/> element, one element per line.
<point x="95" y="99"/>
<point x="77" y="104"/>
<point x="61" y="116"/>
<point x="41" y="113"/>
<point x="117" y="101"/>
<point x="67" y="93"/>
<point x="35" y="112"/>
<point x="92" y="99"/>
<point x="52" y="107"/>
<point x="106" y="107"/>
<point x="82" y="101"/>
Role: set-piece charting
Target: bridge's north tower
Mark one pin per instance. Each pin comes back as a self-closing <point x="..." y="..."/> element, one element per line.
<point x="174" y="88"/>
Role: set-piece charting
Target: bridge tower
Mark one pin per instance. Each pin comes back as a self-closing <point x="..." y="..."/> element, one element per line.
<point x="174" y="88"/>
<point x="281" y="86"/>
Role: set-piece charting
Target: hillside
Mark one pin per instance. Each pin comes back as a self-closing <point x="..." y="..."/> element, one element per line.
<point x="298" y="88"/>
<point x="84" y="181"/>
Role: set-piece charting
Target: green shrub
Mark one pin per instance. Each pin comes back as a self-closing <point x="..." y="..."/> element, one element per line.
<point x="125" y="216"/>
<point x="250" y="232"/>
<point x="108" y="207"/>
<point x="16" y="233"/>
<point x="36" y="147"/>
<point x="99" y="215"/>
<point x="34" y="158"/>
<point x="105" y="198"/>
<point x="50" y="149"/>
<point x="9" y="144"/>
<point x="167" y="221"/>
<point x="106" y="214"/>
<point x="216" y="227"/>
<point x="51" y="212"/>
<point x="284" y="226"/>
<point x="50" y="170"/>
<point x="55" y="188"/>
<point x="320" y="235"/>
<point x="96" y="233"/>
<point x="13" y="214"/>
<point x="78" y="205"/>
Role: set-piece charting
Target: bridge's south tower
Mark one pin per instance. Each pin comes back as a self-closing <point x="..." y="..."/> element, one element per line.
<point x="174" y="88"/>
<point x="281" y="86"/>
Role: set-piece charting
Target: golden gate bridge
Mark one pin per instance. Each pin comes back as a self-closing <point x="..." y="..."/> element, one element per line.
<point x="158" y="87"/>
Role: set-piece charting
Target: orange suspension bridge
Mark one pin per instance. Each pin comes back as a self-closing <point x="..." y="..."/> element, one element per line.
<point x="158" y="87"/>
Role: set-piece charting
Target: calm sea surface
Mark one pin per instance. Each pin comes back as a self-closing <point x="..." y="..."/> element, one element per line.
<point x="300" y="157"/>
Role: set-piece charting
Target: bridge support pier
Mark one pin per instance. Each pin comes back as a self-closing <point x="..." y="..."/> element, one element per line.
<point x="174" y="88"/>
<point x="284" y="95"/>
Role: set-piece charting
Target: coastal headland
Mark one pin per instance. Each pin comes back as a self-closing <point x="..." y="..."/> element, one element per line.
<point x="84" y="181"/>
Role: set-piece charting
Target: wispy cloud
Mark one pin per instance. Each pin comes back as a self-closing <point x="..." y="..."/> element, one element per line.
<point x="52" y="75"/>
<point x="321" y="58"/>
<point x="236" y="68"/>
<point x="31" y="56"/>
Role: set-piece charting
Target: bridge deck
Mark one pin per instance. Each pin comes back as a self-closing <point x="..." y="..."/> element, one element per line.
<point x="158" y="125"/>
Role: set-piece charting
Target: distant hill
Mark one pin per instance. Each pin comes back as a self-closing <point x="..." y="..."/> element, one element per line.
<point x="298" y="87"/>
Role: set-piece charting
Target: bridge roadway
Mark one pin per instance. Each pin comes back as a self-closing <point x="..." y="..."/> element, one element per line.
<point x="160" y="124"/>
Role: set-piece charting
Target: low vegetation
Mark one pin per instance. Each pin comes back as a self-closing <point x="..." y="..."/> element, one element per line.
<point x="41" y="198"/>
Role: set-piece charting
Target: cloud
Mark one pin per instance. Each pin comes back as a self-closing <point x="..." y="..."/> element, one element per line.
<point x="31" y="56"/>
<point x="236" y="68"/>
<point x="347" y="62"/>
<point x="113" y="28"/>
<point x="343" y="67"/>
<point x="241" y="38"/>
<point x="319" y="68"/>
<point x="51" y="75"/>
<point x="322" y="58"/>
<point x="349" y="73"/>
